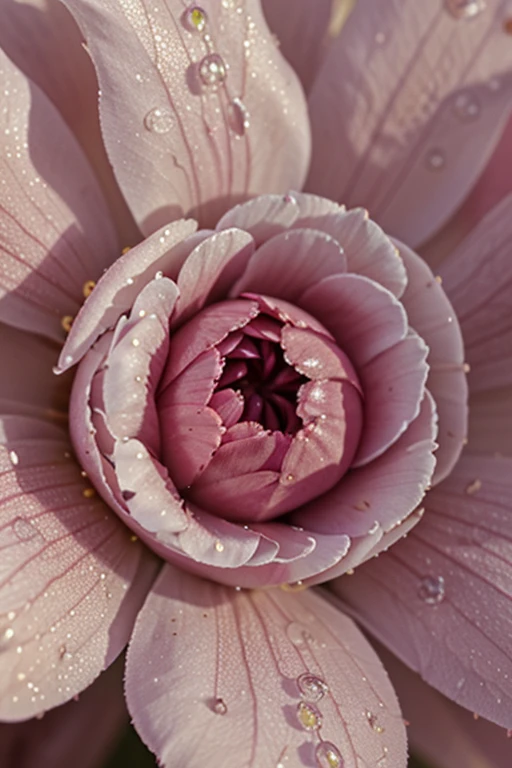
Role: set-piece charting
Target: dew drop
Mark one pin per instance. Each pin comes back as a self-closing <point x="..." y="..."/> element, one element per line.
<point x="298" y="634"/>
<point x="436" y="160"/>
<point x="465" y="9"/>
<point x="212" y="69"/>
<point x="311" y="687"/>
<point x="9" y="633"/>
<point x="15" y="459"/>
<point x="309" y="716"/>
<point x="23" y="529"/>
<point x="239" y="117"/>
<point x="219" y="546"/>
<point x="195" y="18"/>
<point x="432" y="590"/>
<point x="374" y="723"/>
<point x="158" y="120"/>
<point x="328" y="755"/>
<point x="466" y="107"/>
<point x="220" y="707"/>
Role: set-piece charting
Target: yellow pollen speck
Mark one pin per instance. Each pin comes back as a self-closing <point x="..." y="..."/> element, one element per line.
<point x="88" y="288"/>
<point x="308" y="717"/>
<point x="134" y="538"/>
<point x="67" y="322"/>
<point x="198" y="19"/>
<point x="473" y="487"/>
<point x="126" y="249"/>
<point x="88" y="493"/>
<point x="466" y="367"/>
<point x="296" y="586"/>
<point x="439" y="279"/>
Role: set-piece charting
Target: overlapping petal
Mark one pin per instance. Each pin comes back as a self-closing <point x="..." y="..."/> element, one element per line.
<point x="240" y="704"/>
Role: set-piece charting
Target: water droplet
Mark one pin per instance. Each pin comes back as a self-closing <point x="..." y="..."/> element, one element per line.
<point x="466" y="107"/>
<point x="239" y="117"/>
<point x="373" y="722"/>
<point x="9" y="633"/>
<point x="294" y="586"/>
<point x="436" y="160"/>
<point x="219" y="546"/>
<point x="158" y="120"/>
<point x="195" y="18"/>
<point x="312" y="688"/>
<point x="135" y="342"/>
<point x="328" y="755"/>
<point x="309" y="716"/>
<point x="220" y="707"/>
<point x="212" y="69"/>
<point x="432" y="590"/>
<point x="23" y="529"/>
<point x="465" y="9"/>
<point x="15" y="459"/>
<point x="298" y="634"/>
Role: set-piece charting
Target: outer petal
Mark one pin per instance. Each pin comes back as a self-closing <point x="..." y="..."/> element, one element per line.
<point x="231" y="660"/>
<point x="71" y="581"/>
<point x="441" y="600"/>
<point x="441" y="732"/>
<point x="38" y="35"/>
<point x="55" y="234"/>
<point x="193" y="146"/>
<point x="478" y="279"/>
<point x="63" y="737"/>
<point x="411" y="94"/>
<point x="490" y="422"/>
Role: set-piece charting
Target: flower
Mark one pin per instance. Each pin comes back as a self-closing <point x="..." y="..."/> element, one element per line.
<point x="307" y="306"/>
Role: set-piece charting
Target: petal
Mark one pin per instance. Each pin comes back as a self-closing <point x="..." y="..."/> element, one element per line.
<point x="71" y="582"/>
<point x="490" y="422"/>
<point x="410" y="95"/>
<point x="441" y="599"/>
<point x="441" y="732"/>
<point x="239" y="700"/>
<point x="63" y="736"/>
<point x="54" y="224"/>
<point x="478" y="279"/>
<point x="194" y="146"/>
<point x="433" y="318"/>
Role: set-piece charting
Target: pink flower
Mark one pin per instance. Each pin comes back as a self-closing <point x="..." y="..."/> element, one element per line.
<point x="264" y="402"/>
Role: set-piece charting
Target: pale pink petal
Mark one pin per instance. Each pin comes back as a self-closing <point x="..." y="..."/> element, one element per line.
<point x="364" y="318"/>
<point x="317" y="357"/>
<point x="440" y="600"/>
<point x="417" y="100"/>
<point x="478" y="280"/>
<point x="71" y="581"/>
<point x="490" y="422"/>
<point x="289" y="263"/>
<point x="382" y="493"/>
<point x="56" y="233"/>
<point x="63" y="736"/>
<point x="213" y="678"/>
<point x="439" y="731"/>
<point x="211" y="269"/>
<point x="432" y="316"/>
<point x="264" y="217"/>
<point x="300" y="27"/>
<point x="194" y="146"/>
<point x="393" y="384"/>
<point x="115" y="292"/>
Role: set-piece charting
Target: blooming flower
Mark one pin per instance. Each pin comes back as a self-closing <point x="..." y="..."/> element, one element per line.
<point x="263" y="401"/>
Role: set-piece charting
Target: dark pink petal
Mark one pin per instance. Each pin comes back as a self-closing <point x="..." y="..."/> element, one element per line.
<point x="490" y="422"/>
<point x="56" y="233"/>
<point x="433" y="318"/>
<point x="301" y="29"/>
<point x="440" y="600"/>
<point x="211" y="269"/>
<point x="383" y="492"/>
<point x="289" y="263"/>
<point x="478" y="279"/>
<point x="194" y="146"/>
<point x="195" y="384"/>
<point x="63" y="736"/>
<point x="117" y="289"/>
<point x="436" y="98"/>
<point x="229" y="405"/>
<point x="441" y="732"/>
<point x="234" y="662"/>
<point x="393" y="384"/>
<point x="71" y="582"/>
<point x="364" y="318"/>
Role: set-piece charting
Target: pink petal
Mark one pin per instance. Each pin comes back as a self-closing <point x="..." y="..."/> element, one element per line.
<point x="441" y="732"/>
<point x="71" y="582"/>
<point x="364" y="318"/>
<point x="440" y="600"/>
<point x="435" y="103"/>
<point x="289" y="263"/>
<point x="385" y="491"/>
<point x="490" y="422"/>
<point x="316" y="357"/>
<point x="232" y="661"/>
<point x="194" y="147"/>
<point x="63" y="736"/>
<point x="301" y="29"/>
<point x="263" y="217"/>
<point x="433" y="318"/>
<point x="393" y="384"/>
<point x="117" y="289"/>
<point x="211" y="269"/>
<point x="56" y="233"/>
<point x="229" y="405"/>
<point x="478" y="279"/>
